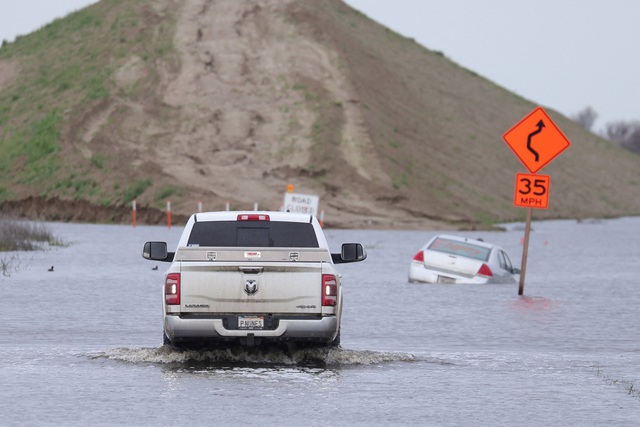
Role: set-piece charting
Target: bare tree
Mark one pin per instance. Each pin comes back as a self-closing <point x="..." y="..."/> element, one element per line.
<point x="624" y="133"/>
<point x="585" y="118"/>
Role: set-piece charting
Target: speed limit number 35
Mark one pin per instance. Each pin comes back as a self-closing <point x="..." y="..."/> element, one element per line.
<point x="532" y="191"/>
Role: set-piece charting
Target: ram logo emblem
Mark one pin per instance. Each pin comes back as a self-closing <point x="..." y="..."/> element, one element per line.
<point x="251" y="286"/>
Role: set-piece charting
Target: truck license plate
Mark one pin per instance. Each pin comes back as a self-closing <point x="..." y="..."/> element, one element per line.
<point x="251" y="322"/>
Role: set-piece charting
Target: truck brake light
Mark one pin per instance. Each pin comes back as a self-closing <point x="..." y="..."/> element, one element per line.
<point x="253" y="217"/>
<point x="172" y="289"/>
<point x="329" y="290"/>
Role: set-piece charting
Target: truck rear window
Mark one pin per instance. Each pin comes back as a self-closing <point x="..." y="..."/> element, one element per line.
<point x="263" y="234"/>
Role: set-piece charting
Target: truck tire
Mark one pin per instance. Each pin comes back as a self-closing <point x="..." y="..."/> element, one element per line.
<point x="336" y="340"/>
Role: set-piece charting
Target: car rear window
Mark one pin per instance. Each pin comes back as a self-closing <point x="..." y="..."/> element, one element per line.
<point x="465" y="249"/>
<point x="264" y="234"/>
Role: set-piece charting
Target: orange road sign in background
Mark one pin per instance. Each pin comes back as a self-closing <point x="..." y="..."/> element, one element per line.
<point x="532" y="191"/>
<point x="536" y="140"/>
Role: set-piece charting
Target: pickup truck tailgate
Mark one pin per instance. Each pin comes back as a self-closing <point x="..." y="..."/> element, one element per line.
<point x="249" y="280"/>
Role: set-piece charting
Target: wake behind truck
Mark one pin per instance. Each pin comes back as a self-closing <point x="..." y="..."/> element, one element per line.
<point x="252" y="277"/>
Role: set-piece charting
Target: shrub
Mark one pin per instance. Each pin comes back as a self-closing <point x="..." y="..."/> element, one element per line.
<point x="23" y="235"/>
<point x="136" y="189"/>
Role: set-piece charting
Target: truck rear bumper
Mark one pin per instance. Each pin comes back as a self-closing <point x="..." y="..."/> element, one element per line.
<point x="323" y="329"/>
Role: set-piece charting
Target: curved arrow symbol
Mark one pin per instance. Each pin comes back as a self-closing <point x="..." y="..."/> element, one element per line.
<point x="535" y="132"/>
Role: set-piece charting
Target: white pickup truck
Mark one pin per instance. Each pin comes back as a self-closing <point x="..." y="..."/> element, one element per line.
<point x="252" y="277"/>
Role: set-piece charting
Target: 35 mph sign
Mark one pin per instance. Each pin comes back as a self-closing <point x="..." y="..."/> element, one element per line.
<point x="532" y="191"/>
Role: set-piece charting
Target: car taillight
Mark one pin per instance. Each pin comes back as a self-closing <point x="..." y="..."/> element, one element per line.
<point x="253" y="217"/>
<point x="419" y="256"/>
<point x="329" y="290"/>
<point x="172" y="289"/>
<point x="485" y="271"/>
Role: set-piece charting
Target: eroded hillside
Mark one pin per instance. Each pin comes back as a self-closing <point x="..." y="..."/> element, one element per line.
<point x="229" y="102"/>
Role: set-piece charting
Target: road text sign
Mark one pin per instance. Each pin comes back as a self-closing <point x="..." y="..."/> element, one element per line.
<point x="301" y="203"/>
<point x="536" y="140"/>
<point x="532" y="191"/>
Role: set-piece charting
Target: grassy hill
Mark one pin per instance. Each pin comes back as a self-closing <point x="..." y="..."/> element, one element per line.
<point x="229" y="102"/>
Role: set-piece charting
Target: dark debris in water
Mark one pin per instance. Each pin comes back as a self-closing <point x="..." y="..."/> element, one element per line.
<point x="629" y="386"/>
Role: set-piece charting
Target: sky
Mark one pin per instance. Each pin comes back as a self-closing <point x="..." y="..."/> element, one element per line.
<point x="560" y="54"/>
<point x="564" y="55"/>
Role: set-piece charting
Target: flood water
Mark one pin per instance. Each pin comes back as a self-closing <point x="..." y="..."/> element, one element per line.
<point x="82" y="345"/>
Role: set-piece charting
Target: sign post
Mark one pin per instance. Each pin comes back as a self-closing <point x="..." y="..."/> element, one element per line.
<point x="536" y="141"/>
<point x="525" y="252"/>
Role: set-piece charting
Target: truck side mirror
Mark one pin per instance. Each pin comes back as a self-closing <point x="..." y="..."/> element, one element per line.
<point x="351" y="252"/>
<point x="156" y="251"/>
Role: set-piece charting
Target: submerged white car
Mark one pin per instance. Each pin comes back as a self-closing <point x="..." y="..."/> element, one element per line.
<point x="453" y="259"/>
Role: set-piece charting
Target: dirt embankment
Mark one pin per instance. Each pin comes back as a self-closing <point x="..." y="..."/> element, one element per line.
<point x="57" y="210"/>
<point x="232" y="101"/>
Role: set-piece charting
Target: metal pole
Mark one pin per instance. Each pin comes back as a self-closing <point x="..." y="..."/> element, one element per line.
<point x="133" y="207"/>
<point x="169" y="214"/>
<point x="525" y="251"/>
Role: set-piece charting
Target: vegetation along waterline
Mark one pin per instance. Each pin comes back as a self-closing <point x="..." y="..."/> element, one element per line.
<point x="18" y="236"/>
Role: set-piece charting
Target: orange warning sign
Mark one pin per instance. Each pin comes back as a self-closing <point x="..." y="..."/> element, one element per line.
<point x="532" y="191"/>
<point x="536" y="140"/>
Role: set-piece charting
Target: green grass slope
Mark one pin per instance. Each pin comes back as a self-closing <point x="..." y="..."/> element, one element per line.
<point x="62" y="72"/>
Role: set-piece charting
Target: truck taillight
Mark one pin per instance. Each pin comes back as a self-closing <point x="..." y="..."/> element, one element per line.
<point x="329" y="290"/>
<point x="253" y="217"/>
<point x="419" y="256"/>
<point x="172" y="289"/>
<point x="485" y="271"/>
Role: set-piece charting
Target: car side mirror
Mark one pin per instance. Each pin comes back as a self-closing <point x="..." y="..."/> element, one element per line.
<point x="155" y="251"/>
<point x="351" y="252"/>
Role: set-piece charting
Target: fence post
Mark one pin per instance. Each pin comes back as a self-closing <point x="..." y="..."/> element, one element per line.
<point x="169" y="214"/>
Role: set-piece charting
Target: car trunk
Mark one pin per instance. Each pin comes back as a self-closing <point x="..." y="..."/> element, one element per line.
<point x="451" y="264"/>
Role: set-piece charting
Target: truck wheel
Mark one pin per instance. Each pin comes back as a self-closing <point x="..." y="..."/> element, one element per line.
<point x="336" y="340"/>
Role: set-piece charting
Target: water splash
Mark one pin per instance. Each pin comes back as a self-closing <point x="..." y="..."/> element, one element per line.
<point x="260" y="356"/>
